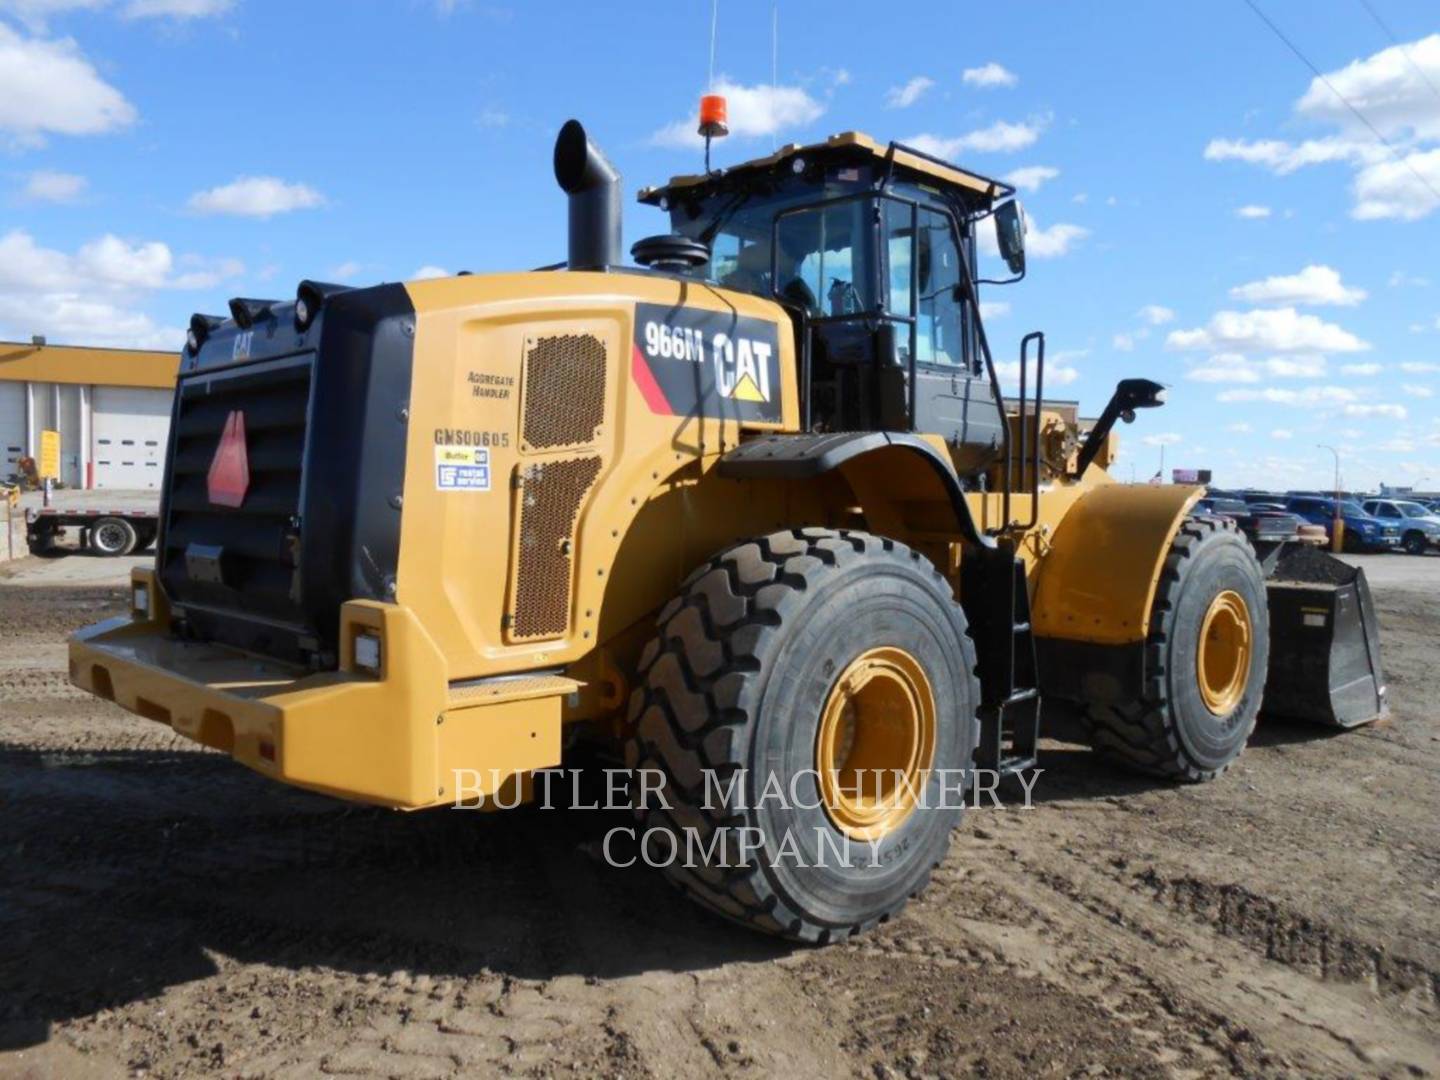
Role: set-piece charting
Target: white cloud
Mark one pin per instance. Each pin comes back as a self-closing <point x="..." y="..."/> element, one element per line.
<point x="1053" y="242"/>
<point x="1240" y="427"/>
<point x="1165" y="438"/>
<point x="1386" y="87"/>
<point x="754" y="111"/>
<point x="1314" y="285"/>
<point x="1394" y="90"/>
<point x="994" y="309"/>
<point x="35" y="14"/>
<point x="1361" y="369"/>
<point x="91" y="297"/>
<point x="176" y="9"/>
<point x="1123" y="343"/>
<point x="1419" y="367"/>
<point x="1296" y="367"/>
<point x="1403" y="190"/>
<point x="989" y="75"/>
<point x="1393" y="412"/>
<point x="53" y="187"/>
<point x="1225" y="368"/>
<point x="493" y="117"/>
<point x="1031" y="177"/>
<point x="1283" y="158"/>
<point x="1282" y="433"/>
<point x="1252" y="212"/>
<point x="999" y="138"/>
<point x="1307" y="397"/>
<point x="1416" y="390"/>
<point x="902" y="97"/>
<point x="1057" y="372"/>
<point x="1401" y="278"/>
<point x="1156" y="315"/>
<point x="1267" y="330"/>
<point x="345" y="271"/>
<point x="428" y="271"/>
<point x="47" y="86"/>
<point x="256" y="196"/>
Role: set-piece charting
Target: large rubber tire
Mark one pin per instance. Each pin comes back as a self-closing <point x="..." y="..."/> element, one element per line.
<point x="1415" y="542"/>
<point x="745" y="659"/>
<point x="112" y="536"/>
<point x="1169" y="731"/>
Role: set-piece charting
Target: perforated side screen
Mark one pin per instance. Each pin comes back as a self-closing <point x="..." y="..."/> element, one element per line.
<point x="549" y="495"/>
<point x="564" y="387"/>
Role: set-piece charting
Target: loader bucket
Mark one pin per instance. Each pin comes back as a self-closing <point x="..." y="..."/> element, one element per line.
<point x="1324" y="642"/>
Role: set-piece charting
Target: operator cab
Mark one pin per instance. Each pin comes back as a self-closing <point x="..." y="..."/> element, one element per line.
<point x="872" y="248"/>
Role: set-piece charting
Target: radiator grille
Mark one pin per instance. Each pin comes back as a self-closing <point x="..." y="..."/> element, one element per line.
<point x="255" y="541"/>
<point x="564" y="387"/>
<point x="550" y="494"/>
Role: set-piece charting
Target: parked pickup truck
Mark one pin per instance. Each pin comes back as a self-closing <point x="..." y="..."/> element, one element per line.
<point x="1257" y="524"/>
<point x="1419" y="525"/>
<point x="1362" y="531"/>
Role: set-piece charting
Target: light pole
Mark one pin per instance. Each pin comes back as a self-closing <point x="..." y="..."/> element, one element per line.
<point x="1337" y="527"/>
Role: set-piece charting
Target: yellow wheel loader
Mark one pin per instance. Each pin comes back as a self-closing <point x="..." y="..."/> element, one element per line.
<point x="752" y="514"/>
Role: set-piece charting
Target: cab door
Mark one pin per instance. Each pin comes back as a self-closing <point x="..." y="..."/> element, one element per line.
<point x="924" y="277"/>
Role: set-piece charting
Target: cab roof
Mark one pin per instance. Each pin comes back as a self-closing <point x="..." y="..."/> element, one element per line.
<point x="853" y="146"/>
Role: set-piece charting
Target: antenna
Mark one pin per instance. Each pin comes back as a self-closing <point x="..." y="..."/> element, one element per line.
<point x="774" y="59"/>
<point x="714" y="25"/>
<point x="714" y="119"/>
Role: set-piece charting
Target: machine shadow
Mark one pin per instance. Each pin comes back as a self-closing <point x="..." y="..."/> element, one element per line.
<point x="117" y="882"/>
<point x="123" y="873"/>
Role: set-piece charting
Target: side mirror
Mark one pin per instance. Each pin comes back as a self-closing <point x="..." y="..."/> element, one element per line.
<point x="1010" y="234"/>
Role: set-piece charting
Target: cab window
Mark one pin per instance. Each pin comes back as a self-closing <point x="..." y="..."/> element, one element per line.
<point x="920" y="249"/>
<point x="821" y="261"/>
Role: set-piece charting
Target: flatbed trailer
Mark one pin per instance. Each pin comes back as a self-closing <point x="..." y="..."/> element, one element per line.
<point x="107" y="532"/>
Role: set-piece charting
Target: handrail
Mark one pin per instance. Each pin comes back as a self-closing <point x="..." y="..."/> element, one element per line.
<point x="1032" y="443"/>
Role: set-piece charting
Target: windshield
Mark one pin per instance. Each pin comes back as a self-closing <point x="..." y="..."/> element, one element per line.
<point x="1413" y="509"/>
<point x="821" y="262"/>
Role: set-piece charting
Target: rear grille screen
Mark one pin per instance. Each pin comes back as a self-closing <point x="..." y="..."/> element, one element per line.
<point x="250" y="550"/>
<point x="564" y="387"/>
<point x="549" y="495"/>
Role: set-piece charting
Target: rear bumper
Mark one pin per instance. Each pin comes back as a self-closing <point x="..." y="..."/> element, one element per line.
<point x="394" y="740"/>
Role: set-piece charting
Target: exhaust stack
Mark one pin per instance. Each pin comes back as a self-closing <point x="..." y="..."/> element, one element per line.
<point x="593" y="185"/>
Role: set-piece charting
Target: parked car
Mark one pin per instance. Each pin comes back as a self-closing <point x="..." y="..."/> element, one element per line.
<point x="1419" y="525"/>
<point x="1362" y="532"/>
<point x="1258" y="525"/>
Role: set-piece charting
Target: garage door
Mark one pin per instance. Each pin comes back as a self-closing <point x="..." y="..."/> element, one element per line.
<point x="130" y="430"/>
<point x="12" y="426"/>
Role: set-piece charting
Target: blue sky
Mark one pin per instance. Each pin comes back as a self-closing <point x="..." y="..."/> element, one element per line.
<point x="1203" y="212"/>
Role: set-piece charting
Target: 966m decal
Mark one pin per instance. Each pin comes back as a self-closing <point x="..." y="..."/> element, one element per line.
<point x="693" y="362"/>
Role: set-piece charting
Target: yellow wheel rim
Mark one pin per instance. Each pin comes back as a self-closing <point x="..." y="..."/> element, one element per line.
<point x="1223" y="660"/>
<point x="876" y="743"/>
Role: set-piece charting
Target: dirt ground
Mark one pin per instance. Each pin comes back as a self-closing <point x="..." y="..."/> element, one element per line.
<point x="165" y="912"/>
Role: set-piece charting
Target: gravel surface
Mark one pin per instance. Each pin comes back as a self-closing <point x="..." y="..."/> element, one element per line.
<point x="163" y="911"/>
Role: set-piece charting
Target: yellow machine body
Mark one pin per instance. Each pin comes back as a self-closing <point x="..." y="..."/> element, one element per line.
<point x="506" y="627"/>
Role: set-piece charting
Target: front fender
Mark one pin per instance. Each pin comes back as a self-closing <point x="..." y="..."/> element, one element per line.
<point x="1096" y="581"/>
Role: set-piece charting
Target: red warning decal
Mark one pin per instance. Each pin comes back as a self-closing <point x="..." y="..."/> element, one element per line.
<point x="229" y="476"/>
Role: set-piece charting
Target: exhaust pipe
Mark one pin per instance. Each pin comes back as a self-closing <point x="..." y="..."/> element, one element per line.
<point x="593" y="185"/>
